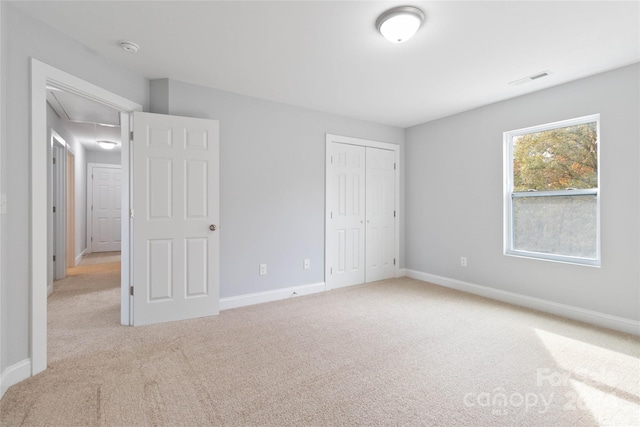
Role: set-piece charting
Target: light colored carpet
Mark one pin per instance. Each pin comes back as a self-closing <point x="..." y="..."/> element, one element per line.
<point x="100" y="258"/>
<point x="397" y="352"/>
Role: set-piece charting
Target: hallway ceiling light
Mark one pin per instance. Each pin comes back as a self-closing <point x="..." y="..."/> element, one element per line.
<point x="107" y="145"/>
<point x="400" y="23"/>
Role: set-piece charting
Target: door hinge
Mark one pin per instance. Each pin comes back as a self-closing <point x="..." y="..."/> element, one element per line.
<point x="54" y="258"/>
<point x="394" y="166"/>
<point x="131" y="213"/>
<point x="92" y="238"/>
<point x="394" y="214"/>
<point x="331" y="270"/>
<point x="54" y="209"/>
<point x="91" y="207"/>
<point x="131" y="290"/>
<point x="331" y="216"/>
<point x="54" y="160"/>
<point x="131" y="136"/>
<point x="331" y="159"/>
<point x="394" y="261"/>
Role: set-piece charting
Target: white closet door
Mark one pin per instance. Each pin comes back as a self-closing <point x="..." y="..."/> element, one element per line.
<point x="380" y="214"/>
<point x="346" y="215"/>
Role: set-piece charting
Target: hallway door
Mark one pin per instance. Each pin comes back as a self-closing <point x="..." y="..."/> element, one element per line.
<point x="106" y="184"/>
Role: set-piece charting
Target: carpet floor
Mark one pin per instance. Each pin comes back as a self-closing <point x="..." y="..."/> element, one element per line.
<point x="100" y="258"/>
<point x="392" y="353"/>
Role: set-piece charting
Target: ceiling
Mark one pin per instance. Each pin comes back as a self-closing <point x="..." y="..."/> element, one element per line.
<point x="327" y="55"/>
<point x="89" y="121"/>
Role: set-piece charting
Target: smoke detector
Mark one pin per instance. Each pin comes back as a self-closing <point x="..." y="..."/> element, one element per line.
<point x="128" y="46"/>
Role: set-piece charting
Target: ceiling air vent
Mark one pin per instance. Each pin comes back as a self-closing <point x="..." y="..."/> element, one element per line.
<point x="530" y="78"/>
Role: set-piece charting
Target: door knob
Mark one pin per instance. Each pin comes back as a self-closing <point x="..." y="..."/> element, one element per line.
<point x="212" y="227"/>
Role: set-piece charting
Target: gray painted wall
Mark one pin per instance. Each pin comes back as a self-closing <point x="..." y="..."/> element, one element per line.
<point x="22" y="38"/>
<point x="106" y="157"/>
<point x="454" y="196"/>
<point x="272" y="176"/>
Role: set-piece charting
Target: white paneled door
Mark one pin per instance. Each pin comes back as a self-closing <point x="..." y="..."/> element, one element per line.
<point x="347" y="215"/>
<point x="380" y="209"/>
<point x="105" y="208"/>
<point x="175" y="201"/>
<point x="361" y="223"/>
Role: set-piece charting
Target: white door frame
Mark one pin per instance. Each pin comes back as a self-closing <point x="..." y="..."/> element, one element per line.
<point x="43" y="75"/>
<point x="90" y="167"/>
<point x="3" y="389"/>
<point x="330" y="138"/>
<point x="59" y="195"/>
<point x="70" y="250"/>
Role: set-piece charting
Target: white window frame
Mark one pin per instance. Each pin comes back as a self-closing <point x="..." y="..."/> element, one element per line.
<point x="509" y="194"/>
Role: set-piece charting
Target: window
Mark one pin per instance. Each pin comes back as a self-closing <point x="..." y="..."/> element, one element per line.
<point x="552" y="205"/>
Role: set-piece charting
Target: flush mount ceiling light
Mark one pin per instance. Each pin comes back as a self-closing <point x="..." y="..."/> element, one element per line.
<point x="400" y="23"/>
<point x="107" y="145"/>
<point x="128" y="46"/>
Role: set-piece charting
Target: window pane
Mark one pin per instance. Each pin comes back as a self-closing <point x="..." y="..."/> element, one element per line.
<point x="556" y="159"/>
<point x="560" y="225"/>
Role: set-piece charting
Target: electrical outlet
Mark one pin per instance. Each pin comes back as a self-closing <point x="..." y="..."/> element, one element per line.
<point x="463" y="261"/>
<point x="307" y="264"/>
<point x="263" y="269"/>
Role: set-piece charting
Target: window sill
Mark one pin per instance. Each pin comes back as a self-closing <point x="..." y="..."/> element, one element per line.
<point x="583" y="262"/>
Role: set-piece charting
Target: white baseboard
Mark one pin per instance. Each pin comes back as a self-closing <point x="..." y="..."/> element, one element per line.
<point x="14" y="374"/>
<point x="268" y="296"/>
<point x="622" y="324"/>
<point x="402" y="272"/>
<point x="79" y="257"/>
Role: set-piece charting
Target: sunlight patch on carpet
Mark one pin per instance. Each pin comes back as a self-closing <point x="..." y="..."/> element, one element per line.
<point x="605" y="381"/>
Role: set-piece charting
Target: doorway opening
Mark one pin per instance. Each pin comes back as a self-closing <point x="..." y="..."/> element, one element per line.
<point x="85" y="212"/>
<point x="42" y="77"/>
<point x="85" y="272"/>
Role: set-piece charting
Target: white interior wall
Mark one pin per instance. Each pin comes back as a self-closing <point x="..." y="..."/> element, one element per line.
<point x="23" y="38"/>
<point x="107" y="157"/>
<point x="272" y="168"/>
<point x="455" y="196"/>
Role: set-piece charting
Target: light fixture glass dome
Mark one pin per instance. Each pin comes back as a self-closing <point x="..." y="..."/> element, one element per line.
<point x="107" y="145"/>
<point x="400" y="23"/>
